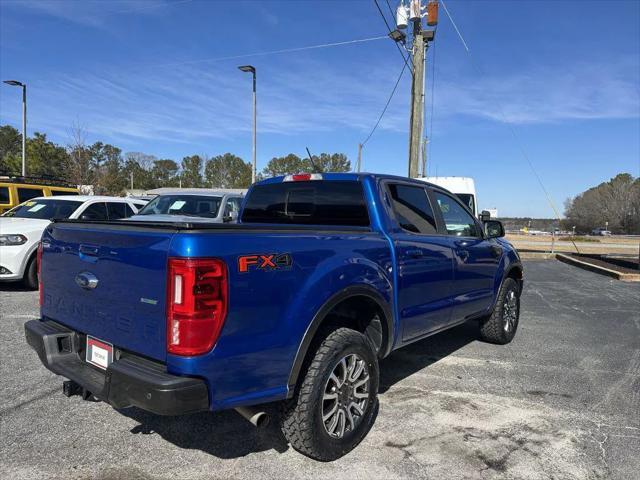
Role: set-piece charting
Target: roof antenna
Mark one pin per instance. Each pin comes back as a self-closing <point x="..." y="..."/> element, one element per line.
<point x="316" y="170"/>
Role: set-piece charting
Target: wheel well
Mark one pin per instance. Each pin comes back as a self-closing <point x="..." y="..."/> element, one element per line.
<point x="363" y="314"/>
<point x="356" y="310"/>
<point x="517" y="274"/>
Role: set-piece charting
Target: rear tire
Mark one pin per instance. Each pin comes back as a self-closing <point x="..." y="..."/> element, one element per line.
<point x="30" y="279"/>
<point x="336" y="403"/>
<point x="501" y="326"/>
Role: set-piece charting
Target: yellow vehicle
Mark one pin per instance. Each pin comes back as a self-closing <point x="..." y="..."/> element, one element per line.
<point x="15" y="190"/>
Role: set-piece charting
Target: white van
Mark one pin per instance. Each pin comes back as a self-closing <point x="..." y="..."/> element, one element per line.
<point x="463" y="187"/>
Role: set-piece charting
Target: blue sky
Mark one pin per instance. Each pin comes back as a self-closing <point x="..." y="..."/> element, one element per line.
<point x="147" y="76"/>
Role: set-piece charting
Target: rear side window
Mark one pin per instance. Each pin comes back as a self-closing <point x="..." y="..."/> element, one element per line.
<point x="412" y="209"/>
<point x="339" y="203"/>
<point x="25" y="194"/>
<point x="58" y="193"/>
<point x="117" y="210"/>
<point x="4" y="194"/>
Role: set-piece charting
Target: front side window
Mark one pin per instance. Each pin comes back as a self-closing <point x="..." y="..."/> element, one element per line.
<point x="412" y="209"/>
<point x="457" y="220"/>
<point x="232" y="206"/>
<point x="95" y="211"/>
<point x="467" y="200"/>
<point x="44" y="209"/>
<point x="25" y="194"/>
<point x="4" y="195"/>
<point x="117" y="210"/>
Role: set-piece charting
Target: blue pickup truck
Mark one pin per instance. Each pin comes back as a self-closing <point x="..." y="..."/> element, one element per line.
<point x="325" y="275"/>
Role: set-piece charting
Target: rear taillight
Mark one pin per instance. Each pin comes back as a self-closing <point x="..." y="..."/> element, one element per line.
<point x="197" y="304"/>
<point x="39" y="270"/>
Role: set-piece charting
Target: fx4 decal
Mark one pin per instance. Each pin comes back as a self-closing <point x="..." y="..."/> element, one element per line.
<point x="266" y="261"/>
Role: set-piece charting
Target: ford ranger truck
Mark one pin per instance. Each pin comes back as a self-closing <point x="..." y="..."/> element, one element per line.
<point x="325" y="275"/>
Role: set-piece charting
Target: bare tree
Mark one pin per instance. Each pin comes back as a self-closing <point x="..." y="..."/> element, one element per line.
<point x="79" y="169"/>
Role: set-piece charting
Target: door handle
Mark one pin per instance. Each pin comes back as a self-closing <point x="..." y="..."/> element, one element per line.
<point x="415" y="253"/>
<point x="88" y="250"/>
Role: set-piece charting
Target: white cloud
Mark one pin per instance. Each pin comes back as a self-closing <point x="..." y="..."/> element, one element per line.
<point x="200" y="103"/>
<point x="547" y="94"/>
<point x="93" y="13"/>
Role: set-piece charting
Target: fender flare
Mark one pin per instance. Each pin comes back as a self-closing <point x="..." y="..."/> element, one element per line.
<point x="312" y="329"/>
<point x="507" y="271"/>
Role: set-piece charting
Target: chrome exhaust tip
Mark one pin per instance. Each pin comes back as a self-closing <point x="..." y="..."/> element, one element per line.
<point x="258" y="418"/>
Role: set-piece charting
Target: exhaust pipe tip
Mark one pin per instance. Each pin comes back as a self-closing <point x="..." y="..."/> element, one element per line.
<point x="258" y="418"/>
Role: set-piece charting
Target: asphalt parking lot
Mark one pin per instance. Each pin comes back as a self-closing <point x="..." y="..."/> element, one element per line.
<point x="561" y="401"/>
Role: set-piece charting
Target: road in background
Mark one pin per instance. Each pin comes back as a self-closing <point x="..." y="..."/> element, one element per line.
<point x="561" y="401"/>
<point x="612" y="244"/>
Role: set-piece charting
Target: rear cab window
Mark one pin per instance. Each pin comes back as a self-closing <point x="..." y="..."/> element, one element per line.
<point x="325" y="202"/>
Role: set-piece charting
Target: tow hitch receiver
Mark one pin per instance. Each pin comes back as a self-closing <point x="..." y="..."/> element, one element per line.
<point x="71" y="388"/>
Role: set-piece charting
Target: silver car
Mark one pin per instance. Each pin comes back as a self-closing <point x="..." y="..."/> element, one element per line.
<point x="193" y="205"/>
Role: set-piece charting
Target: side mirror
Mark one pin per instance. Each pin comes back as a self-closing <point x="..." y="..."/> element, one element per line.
<point x="493" y="229"/>
<point x="484" y="216"/>
<point x="232" y="217"/>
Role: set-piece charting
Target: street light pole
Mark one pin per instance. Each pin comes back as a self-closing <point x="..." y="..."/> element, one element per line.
<point x="252" y="70"/>
<point x="15" y="83"/>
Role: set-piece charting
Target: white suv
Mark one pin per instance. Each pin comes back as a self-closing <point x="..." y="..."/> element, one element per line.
<point x="22" y="226"/>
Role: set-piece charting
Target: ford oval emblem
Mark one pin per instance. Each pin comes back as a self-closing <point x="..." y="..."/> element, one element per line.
<point x="87" y="280"/>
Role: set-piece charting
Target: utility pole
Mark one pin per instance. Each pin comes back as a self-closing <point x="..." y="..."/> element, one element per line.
<point x="421" y="39"/>
<point x="359" y="162"/>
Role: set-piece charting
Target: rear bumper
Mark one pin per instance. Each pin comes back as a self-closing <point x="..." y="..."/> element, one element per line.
<point x="129" y="381"/>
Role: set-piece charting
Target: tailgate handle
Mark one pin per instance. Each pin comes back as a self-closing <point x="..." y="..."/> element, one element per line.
<point x="89" y="250"/>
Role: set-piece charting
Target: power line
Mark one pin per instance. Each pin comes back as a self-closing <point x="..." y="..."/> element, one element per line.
<point x="395" y="87"/>
<point x="446" y="10"/>
<point x="509" y="124"/>
<point x="272" y="52"/>
<point x="390" y="30"/>
<point x="391" y="11"/>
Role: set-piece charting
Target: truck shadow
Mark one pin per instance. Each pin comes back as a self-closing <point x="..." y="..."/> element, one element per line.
<point x="15" y="287"/>
<point x="227" y="435"/>
<point x="419" y="355"/>
<point x="223" y="434"/>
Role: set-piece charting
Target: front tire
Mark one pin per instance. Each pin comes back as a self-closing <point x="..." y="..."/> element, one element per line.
<point x="337" y="401"/>
<point x="30" y="279"/>
<point x="500" y="327"/>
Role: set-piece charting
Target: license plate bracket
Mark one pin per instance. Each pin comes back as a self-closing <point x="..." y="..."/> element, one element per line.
<point x="99" y="353"/>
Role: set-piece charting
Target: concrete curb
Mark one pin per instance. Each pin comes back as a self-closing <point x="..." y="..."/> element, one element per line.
<point x="625" y="277"/>
<point x="536" y="255"/>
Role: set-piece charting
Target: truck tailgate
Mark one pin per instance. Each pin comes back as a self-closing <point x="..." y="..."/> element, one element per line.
<point x="126" y="306"/>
